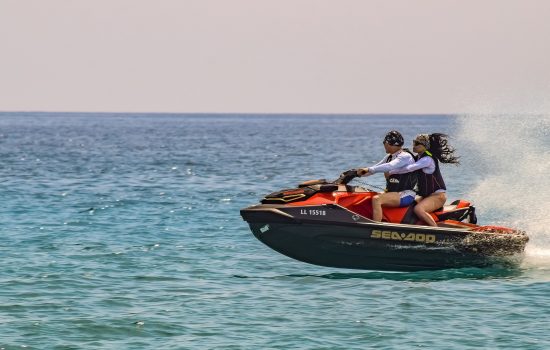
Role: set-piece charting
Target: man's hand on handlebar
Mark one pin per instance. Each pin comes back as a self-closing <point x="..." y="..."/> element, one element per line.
<point x="362" y="171"/>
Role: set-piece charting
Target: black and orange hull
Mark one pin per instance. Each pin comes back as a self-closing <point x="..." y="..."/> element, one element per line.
<point x="333" y="229"/>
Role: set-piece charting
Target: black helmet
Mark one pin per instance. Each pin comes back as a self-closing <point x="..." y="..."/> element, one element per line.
<point x="394" y="138"/>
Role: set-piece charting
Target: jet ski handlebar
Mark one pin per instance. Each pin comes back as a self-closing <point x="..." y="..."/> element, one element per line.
<point x="346" y="177"/>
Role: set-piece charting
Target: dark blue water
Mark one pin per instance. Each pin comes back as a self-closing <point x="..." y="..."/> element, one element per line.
<point x="123" y="232"/>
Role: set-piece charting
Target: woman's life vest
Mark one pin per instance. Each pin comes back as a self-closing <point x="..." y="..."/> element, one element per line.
<point x="429" y="183"/>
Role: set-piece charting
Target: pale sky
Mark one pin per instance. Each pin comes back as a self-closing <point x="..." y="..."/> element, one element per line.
<point x="275" y="56"/>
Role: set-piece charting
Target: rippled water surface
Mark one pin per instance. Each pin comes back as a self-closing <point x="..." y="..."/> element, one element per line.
<point x="123" y="231"/>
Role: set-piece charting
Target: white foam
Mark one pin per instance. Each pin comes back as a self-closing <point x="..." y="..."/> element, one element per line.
<point x="510" y="155"/>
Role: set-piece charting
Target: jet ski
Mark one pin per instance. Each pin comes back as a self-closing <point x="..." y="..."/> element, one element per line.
<point x="330" y="224"/>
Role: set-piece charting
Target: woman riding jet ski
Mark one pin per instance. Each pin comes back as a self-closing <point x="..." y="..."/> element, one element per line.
<point x="331" y="224"/>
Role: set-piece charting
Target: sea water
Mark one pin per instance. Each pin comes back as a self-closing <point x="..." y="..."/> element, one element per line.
<point x="122" y="231"/>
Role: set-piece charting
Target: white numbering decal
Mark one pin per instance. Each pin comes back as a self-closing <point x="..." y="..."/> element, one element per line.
<point x="313" y="212"/>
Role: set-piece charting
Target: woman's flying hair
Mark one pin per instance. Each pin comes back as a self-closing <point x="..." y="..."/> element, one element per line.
<point x="441" y="150"/>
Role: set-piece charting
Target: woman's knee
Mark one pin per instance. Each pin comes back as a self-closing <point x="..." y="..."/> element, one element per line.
<point x="443" y="199"/>
<point x="439" y="200"/>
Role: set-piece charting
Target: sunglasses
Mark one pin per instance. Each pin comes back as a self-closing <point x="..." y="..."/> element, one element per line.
<point x="416" y="143"/>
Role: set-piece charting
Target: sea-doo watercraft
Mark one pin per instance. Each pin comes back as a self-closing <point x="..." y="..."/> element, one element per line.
<point x="330" y="224"/>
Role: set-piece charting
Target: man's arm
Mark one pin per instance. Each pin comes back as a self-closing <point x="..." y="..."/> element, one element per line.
<point x="365" y="171"/>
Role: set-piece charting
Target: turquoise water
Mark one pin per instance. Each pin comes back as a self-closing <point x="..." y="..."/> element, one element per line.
<point x="123" y="232"/>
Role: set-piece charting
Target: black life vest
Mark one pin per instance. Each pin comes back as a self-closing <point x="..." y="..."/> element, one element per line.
<point x="401" y="182"/>
<point x="429" y="183"/>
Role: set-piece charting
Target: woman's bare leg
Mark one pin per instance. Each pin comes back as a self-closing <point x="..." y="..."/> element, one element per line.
<point x="387" y="199"/>
<point x="428" y="205"/>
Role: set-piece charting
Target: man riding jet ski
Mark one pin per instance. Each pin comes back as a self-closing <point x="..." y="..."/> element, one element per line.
<point x="400" y="186"/>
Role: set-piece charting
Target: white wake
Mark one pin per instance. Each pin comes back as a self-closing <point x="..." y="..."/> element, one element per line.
<point x="509" y="156"/>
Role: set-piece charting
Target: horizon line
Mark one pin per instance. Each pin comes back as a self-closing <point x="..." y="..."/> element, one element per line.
<point x="266" y="114"/>
<point x="236" y="113"/>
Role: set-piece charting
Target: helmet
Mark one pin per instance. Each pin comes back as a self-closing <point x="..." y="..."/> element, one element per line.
<point x="394" y="138"/>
